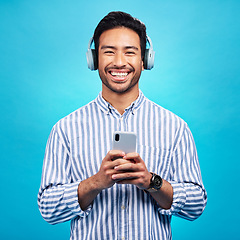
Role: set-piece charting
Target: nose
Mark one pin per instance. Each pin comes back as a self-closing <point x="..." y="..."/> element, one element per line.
<point x="119" y="60"/>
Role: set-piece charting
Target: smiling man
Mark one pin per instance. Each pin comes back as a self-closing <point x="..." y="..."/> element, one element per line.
<point x="108" y="194"/>
<point x="120" y="65"/>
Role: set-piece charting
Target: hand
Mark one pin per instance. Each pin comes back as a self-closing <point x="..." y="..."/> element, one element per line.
<point x="103" y="178"/>
<point x="133" y="171"/>
<point x="89" y="188"/>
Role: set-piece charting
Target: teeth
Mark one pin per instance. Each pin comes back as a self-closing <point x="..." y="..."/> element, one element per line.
<point x="119" y="74"/>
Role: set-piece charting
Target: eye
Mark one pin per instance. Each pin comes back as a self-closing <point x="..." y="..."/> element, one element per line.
<point x="109" y="52"/>
<point x="130" y="53"/>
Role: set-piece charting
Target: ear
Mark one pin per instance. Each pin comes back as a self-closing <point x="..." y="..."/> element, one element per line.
<point x="142" y="65"/>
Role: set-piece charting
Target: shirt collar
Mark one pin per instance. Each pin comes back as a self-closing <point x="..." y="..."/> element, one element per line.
<point x="107" y="107"/>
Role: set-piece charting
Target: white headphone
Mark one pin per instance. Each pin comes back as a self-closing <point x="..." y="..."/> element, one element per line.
<point x="92" y="56"/>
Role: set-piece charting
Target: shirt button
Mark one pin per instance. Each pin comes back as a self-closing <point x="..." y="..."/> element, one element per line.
<point x="122" y="207"/>
<point x="123" y="238"/>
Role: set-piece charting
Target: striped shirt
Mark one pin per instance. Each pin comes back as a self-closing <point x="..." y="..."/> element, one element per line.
<point x="74" y="152"/>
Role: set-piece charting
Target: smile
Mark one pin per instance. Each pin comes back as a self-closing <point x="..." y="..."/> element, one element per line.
<point x="119" y="74"/>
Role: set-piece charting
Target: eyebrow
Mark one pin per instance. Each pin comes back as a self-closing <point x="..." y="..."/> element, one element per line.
<point x="112" y="47"/>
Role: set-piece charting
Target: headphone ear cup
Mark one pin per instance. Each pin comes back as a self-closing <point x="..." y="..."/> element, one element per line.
<point x="149" y="59"/>
<point x="92" y="59"/>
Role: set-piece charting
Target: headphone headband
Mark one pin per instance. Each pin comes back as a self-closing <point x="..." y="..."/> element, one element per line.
<point x="148" y="58"/>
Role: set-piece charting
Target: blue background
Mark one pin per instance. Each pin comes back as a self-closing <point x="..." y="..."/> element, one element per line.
<point x="44" y="77"/>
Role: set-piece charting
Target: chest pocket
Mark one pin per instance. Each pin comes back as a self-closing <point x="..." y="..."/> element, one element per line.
<point x="157" y="160"/>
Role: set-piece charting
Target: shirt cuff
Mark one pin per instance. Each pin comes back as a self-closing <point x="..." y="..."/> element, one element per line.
<point x="70" y="197"/>
<point x="179" y="199"/>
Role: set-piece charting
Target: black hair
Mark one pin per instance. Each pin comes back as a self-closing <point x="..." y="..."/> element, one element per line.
<point x="120" y="19"/>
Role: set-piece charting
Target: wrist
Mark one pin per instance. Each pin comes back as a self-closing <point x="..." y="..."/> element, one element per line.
<point x="96" y="183"/>
<point x="155" y="183"/>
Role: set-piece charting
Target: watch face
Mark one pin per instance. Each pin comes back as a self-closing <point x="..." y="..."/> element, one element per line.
<point x="157" y="181"/>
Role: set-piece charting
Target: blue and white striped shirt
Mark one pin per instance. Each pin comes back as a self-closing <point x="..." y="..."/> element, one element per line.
<point x="75" y="149"/>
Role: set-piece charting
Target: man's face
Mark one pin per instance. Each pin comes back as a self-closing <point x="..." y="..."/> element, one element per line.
<point x="119" y="59"/>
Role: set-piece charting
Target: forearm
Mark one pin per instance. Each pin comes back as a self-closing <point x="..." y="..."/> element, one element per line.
<point x="87" y="191"/>
<point x="164" y="196"/>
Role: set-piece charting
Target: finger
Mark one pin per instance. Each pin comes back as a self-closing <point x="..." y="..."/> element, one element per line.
<point x="114" y="154"/>
<point x="127" y="166"/>
<point x="114" y="158"/>
<point x="118" y="162"/>
<point x="124" y="175"/>
<point x="134" y="179"/>
<point x="133" y="156"/>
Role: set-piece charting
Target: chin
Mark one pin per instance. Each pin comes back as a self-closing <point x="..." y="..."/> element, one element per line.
<point x="121" y="89"/>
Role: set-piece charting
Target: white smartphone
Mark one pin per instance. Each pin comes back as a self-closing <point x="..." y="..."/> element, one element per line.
<point x="124" y="141"/>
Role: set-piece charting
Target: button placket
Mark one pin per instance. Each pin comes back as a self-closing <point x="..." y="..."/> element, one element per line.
<point x="124" y="214"/>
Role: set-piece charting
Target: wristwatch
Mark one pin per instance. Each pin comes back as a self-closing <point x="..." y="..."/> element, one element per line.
<point x="155" y="183"/>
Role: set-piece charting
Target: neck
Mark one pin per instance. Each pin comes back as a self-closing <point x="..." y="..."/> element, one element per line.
<point x="120" y="101"/>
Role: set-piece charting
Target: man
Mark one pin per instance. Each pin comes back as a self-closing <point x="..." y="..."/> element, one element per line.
<point x="106" y="193"/>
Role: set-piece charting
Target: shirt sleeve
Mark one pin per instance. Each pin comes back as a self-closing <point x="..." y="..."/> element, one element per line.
<point x="58" y="195"/>
<point x="189" y="194"/>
